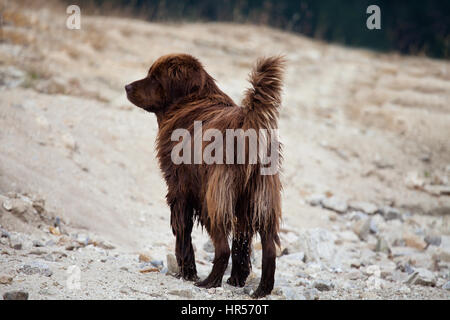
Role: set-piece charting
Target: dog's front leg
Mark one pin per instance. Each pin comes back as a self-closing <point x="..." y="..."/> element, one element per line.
<point x="181" y="220"/>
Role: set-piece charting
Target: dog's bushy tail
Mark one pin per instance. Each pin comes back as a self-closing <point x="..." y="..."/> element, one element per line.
<point x="261" y="102"/>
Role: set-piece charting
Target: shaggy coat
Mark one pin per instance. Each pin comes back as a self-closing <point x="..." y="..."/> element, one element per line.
<point x="227" y="199"/>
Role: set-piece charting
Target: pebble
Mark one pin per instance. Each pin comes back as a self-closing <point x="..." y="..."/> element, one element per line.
<point x="335" y="204"/>
<point x="5" y="279"/>
<point x="362" y="228"/>
<point x="144" y="258"/>
<point x="390" y="213"/>
<point x="365" y="207"/>
<point x="433" y="240"/>
<point x="446" y="286"/>
<point x="311" y="294"/>
<point x="15" y="243"/>
<point x="36" y="268"/>
<point x="157" y="263"/>
<point x="291" y="294"/>
<point x="382" y="246"/>
<point x="422" y="277"/>
<point x="172" y="265"/>
<point x="323" y="285"/>
<point x="181" y="293"/>
<point x="414" y="241"/>
<point x="15" y="295"/>
<point x="315" y="199"/>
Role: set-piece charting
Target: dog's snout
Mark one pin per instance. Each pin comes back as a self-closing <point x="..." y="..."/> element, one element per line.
<point x="128" y="88"/>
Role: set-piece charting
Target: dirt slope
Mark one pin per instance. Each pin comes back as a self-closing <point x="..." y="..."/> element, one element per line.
<point x="356" y="125"/>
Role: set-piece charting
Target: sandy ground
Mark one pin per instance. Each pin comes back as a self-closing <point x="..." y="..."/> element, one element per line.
<point x="366" y="171"/>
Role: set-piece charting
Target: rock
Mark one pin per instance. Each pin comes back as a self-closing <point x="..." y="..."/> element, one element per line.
<point x="69" y="142"/>
<point x="36" y="268"/>
<point x="414" y="241"/>
<point x="382" y="246"/>
<point x="37" y="244"/>
<point x="318" y="245"/>
<point x="315" y="199"/>
<point x="433" y="240"/>
<point x="422" y="277"/>
<point x="54" y="231"/>
<point x="295" y="257"/>
<point x="291" y="294"/>
<point x="16" y="206"/>
<point x="390" y="213"/>
<point x="365" y="207"/>
<point x="5" y="279"/>
<point x="323" y="285"/>
<point x="144" y="258"/>
<point x="335" y="204"/>
<point x="184" y="293"/>
<point x="15" y="242"/>
<point x="39" y="205"/>
<point x="4" y="233"/>
<point x="311" y="294"/>
<point x="373" y="226"/>
<point x="15" y="295"/>
<point x="446" y="286"/>
<point x="373" y="270"/>
<point x="362" y="228"/>
<point x="374" y="283"/>
<point x="157" y="263"/>
<point x="172" y="265"/>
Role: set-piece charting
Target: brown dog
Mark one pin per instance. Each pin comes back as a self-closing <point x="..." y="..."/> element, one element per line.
<point x="226" y="198"/>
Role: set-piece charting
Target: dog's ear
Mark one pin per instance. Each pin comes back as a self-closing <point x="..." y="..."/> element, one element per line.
<point x="184" y="79"/>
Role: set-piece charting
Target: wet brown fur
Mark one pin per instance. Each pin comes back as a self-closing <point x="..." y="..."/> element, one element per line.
<point x="226" y="199"/>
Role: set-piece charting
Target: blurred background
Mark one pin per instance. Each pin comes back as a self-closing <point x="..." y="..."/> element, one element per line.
<point x="409" y="27"/>
<point x="365" y="124"/>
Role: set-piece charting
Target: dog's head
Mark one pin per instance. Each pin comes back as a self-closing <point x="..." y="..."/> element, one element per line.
<point x="170" y="78"/>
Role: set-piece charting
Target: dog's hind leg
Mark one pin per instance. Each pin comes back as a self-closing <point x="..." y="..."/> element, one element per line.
<point x="181" y="220"/>
<point x="240" y="255"/>
<point x="268" y="266"/>
<point x="220" y="263"/>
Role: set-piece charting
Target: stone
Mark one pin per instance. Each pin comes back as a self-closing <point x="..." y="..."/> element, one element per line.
<point x="365" y="207"/>
<point x="323" y="285"/>
<point x="144" y="258"/>
<point x="36" y="268"/>
<point x="184" y="293"/>
<point x="446" y="286"/>
<point x="362" y="228"/>
<point x="15" y="295"/>
<point x="390" y="213"/>
<point x="373" y="270"/>
<point x="433" y="240"/>
<point x="423" y="277"/>
<point x="292" y="294"/>
<point x="335" y="204"/>
<point x="172" y="265"/>
<point x="15" y="242"/>
<point x="382" y="246"/>
<point x="157" y="263"/>
<point x="315" y="199"/>
<point x="311" y="294"/>
<point x="414" y="241"/>
<point x="5" y="279"/>
<point x="373" y="226"/>
<point x="318" y="245"/>
<point x="16" y="206"/>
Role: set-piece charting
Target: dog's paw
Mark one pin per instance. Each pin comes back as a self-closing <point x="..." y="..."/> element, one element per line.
<point x="236" y="282"/>
<point x="260" y="293"/>
<point x="207" y="284"/>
